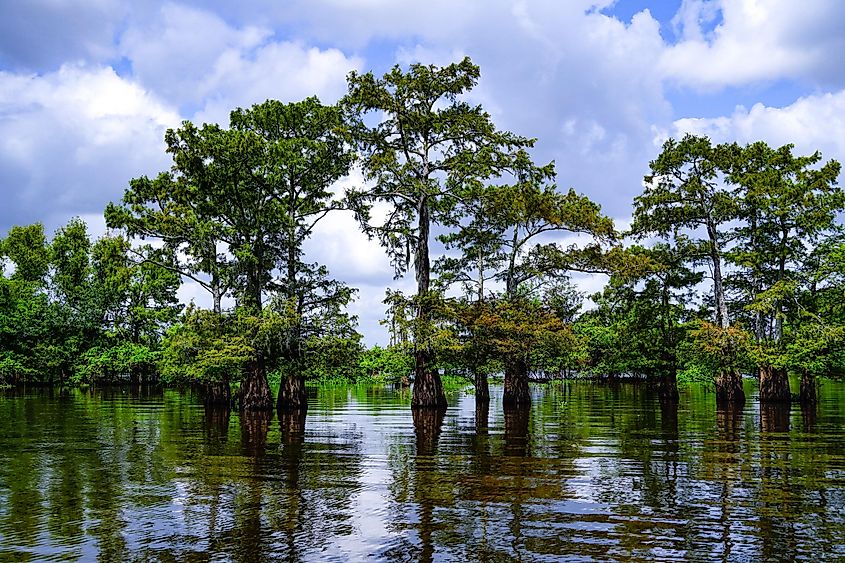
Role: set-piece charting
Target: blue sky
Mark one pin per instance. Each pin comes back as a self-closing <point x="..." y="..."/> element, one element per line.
<point x="87" y="89"/>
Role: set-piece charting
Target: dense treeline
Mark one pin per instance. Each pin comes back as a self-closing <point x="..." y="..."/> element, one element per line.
<point x="734" y="264"/>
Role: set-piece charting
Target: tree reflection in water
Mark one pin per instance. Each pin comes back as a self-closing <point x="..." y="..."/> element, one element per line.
<point x="592" y="472"/>
<point x="428" y="424"/>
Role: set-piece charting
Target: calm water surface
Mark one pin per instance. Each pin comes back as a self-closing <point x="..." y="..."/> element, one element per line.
<point x="592" y="472"/>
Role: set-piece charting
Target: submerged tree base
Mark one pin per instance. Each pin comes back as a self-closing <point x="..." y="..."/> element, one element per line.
<point x="729" y="388"/>
<point x="774" y="385"/>
<point x="255" y="392"/>
<point x="428" y="391"/>
<point x="218" y="394"/>
<point x="516" y="393"/>
<point x="292" y="394"/>
<point x="667" y="389"/>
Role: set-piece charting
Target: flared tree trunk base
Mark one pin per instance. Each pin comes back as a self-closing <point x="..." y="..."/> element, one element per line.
<point x="774" y="385"/>
<point x="428" y="388"/>
<point x="729" y="388"/>
<point x="255" y="392"/>
<point x="516" y="393"/>
<point x="292" y="394"/>
<point x="218" y="393"/>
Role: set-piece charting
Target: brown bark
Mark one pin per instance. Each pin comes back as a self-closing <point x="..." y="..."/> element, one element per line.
<point x="517" y="419"/>
<point x="667" y="388"/>
<point x="482" y="417"/>
<point x="774" y="385"/>
<point x="516" y="384"/>
<point x="774" y="417"/>
<point x="428" y="389"/>
<point x="809" y="392"/>
<point x="217" y="393"/>
<point x="729" y="387"/>
<point x="482" y="389"/>
<point x="292" y="394"/>
<point x="255" y="393"/>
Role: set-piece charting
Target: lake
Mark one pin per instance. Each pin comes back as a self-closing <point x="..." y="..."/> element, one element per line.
<point x="591" y="472"/>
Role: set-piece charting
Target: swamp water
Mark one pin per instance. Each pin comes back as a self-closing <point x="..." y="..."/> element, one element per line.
<point x="592" y="472"/>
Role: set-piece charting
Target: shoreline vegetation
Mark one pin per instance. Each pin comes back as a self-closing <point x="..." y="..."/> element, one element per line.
<point x="734" y="264"/>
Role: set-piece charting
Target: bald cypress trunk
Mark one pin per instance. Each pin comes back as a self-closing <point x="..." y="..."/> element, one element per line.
<point x="729" y="387"/>
<point x="428" y="389"/>
<point x="217" y="393"/>
<point x="255" y="393"/>
<point x="482" y="389"/>
<point x="516" y="391"/>
<point x="774" y="385"/>
<point x="292" y="394"/>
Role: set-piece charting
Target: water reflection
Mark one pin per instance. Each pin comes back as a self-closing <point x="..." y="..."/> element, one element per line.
<point x="589" y="471"/>
<point x="482" y="417"/>
<point x="254" y="428"/>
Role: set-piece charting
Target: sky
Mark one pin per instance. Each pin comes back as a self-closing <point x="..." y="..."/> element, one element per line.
<point x="88" y="88"/>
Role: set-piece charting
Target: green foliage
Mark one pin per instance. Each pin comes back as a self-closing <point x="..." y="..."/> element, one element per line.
<point x="204" y="348"/>
<point x="237" y="205"/>
<point x="428" y="150"/>
<point x="714" y="348"/>
<point x="27" y="248"/>
<point x="119" y="362"/>
<point x="94" y="314"/>
<point x="385" y="364"/>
